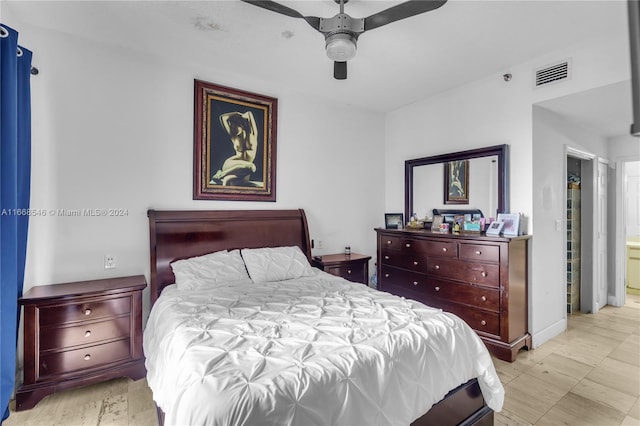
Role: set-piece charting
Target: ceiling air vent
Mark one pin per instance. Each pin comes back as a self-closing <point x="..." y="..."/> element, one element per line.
<point x="552" y="74"/>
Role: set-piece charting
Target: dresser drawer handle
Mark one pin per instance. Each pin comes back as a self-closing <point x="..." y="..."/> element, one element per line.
<point x="87" y="357"/>
<point x="478" y="252"/>
<point x="483" y="298"/>
<point x="415" y="263"/>
<point x="87" y="311"/>
<point x="484" y="274"/>
<point x="407" y="245"/>
<point x="415" y="283"/>
<point x="349" y="271"/>
<point x="444" y="249"/>
<point x="386" y="258"/>
<point x="389" y="242"/>
<point x="437" y="288"/>
<point x="386" y="275"/>
<point x="483" y="322"/>
<point x="87" y="333"/>
<point x="437" y="267"/>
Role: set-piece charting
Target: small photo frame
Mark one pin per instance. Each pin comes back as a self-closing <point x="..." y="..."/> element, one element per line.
<point x="436" y="224"/>
<point x="495" y="228"/>
<point x="394" y="221"/>
<point x="511" y="222"/>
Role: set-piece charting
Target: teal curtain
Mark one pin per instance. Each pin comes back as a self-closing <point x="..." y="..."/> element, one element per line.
<point x="15" y="172"/>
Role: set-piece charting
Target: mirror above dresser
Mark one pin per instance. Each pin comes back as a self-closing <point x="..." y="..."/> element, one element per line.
<point x="426" y="183"/>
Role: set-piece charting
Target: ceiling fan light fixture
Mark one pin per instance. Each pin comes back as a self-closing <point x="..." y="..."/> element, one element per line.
<point x="341" y="47"/>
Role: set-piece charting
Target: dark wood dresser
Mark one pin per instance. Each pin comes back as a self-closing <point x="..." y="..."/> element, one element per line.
<point x="80" y="333"/>
<point x="482" y="279"/>
<point x="353" y="267"/>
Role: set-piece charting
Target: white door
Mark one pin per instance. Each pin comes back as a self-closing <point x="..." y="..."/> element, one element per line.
<point x="600" y="273"/>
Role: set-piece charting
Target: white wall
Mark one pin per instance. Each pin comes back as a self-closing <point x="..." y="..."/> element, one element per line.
<point x="114" y="129"/>
<point x="489" y="112"/>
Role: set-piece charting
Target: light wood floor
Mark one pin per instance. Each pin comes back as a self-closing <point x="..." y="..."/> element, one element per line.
<point x="589" y="375"/>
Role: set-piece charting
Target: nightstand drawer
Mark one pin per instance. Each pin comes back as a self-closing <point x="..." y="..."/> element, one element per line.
<point x="354" y="273"/>
<point x="54" y="363"/>
<point x="83" y="311"/>
<point x="86" y="333"/>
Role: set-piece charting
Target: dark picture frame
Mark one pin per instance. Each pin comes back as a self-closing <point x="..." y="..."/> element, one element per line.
<point x="393" y="221"/>
<point x="456" y="182"/>
<point x="234" y="144"/>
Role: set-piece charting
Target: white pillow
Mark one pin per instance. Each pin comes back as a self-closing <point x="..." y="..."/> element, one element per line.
<point x="208" y="270"/>
<point x="276" y="263"/>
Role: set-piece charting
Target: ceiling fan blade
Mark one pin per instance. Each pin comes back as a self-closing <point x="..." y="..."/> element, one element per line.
<point x="284" y="10"/>
<point x="401" y="11"/>
<point x="340" y="70"/>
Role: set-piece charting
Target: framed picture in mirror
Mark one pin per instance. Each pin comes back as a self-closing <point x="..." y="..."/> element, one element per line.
<point x="456" y="182"/>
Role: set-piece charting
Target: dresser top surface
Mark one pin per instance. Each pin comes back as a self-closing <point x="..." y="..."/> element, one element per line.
<point x="84" y="288"/>
<point x="412" y="233"/>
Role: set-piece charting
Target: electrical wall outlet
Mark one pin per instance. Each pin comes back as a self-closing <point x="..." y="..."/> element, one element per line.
<point x="319" y="244"/>
<point x="109" y="261"/>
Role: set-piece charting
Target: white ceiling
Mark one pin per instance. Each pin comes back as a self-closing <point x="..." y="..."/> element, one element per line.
<point x="395" y="65"/>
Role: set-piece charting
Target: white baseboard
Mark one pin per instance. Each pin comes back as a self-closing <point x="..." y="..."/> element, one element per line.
<point x="548" y="333"/>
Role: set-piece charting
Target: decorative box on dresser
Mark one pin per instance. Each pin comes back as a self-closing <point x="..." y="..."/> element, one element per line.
<point x="482" y="279"/>
<point x="80" y="333"/>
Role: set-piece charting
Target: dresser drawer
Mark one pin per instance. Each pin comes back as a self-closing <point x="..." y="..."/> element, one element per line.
<point x="86" y="333"/>
<point x="54" y="363"/>
<point x="412" y="260"/>
<point x="481" y="252"/>
<point x="478" y="319"/>
<point x="60" y="314"/>
<point x="423" y="247"/>
<point x="482" y="297"/>
<point x="401" y="278"/>
<point x="473" y="272"/>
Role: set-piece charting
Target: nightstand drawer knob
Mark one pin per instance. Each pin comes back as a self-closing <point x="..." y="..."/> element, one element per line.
<point x="484" y="274"/>
<point x="386" y="258"/>
<point x="483" y="322"/>
<point x="415" y="283"/>
<point x="444" y="249"/>
<point x="483" y="298"/>
<point x="389" y="242"/>
<point x="87" y="357"/>
<point x="386" y="275"/>
<point x="437" y="267"/>
<point x="408" y="245"/>
<point x="437" y="288"/>
<point x="87" y="333"/>
<point x="415" y="263"/>
<point x="349" y="271"/>
<point x="87" y="311"/>
<point x="478" y="252"/>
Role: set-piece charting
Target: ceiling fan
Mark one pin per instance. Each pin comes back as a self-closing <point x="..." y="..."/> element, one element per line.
<point x="342" y="31"/>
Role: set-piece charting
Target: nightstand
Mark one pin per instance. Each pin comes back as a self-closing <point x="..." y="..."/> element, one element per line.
<point x="353" y="267"/>
<point x="80" y="333"/>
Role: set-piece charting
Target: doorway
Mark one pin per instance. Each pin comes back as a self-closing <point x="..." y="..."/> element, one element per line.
<point x="586" y="239"/>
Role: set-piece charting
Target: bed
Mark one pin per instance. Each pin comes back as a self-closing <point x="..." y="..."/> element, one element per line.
<point x="311" y="348"/>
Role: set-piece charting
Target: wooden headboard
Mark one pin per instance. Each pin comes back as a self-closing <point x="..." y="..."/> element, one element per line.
<point x="177" y="234"/>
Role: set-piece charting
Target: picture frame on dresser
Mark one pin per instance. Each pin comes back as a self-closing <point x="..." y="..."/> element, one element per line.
<point x="393" y="221"/>
<point x="511" y="224"/>
<point x="495" y="228"/>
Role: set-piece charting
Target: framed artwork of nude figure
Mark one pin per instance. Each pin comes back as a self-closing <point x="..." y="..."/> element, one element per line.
<point x="234" y="144"/>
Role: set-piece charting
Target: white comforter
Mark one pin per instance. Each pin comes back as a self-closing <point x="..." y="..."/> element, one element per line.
<point x="316" y="350"/>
